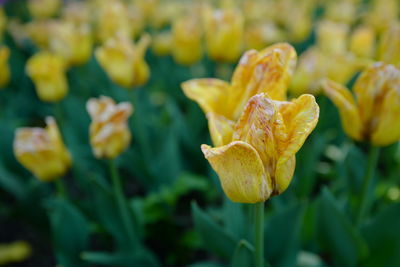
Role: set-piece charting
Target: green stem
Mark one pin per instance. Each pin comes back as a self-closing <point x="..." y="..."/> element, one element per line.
<point x="121" y="201"/>
<point x="259" y="235"/>
<point x="61" y="191"/>
<point x="369" y="173"/>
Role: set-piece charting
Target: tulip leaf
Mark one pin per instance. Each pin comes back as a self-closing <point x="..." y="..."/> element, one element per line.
<point x="139" y="258"/>
<point x="383" y="238"/>
<point x="70" y="232"/>
<point x="335" y="233"/>
<point x="205" y="264"/>
<point x="282" y="235"/>
<point x="214" y="236"/>
<point x="243" y="254"/>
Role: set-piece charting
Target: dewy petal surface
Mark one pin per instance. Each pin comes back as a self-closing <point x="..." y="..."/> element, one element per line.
<point x="221" y="129"/>
<point x="208" y="93"/>
<point x="300" y="117"/>
<point x="388" y="128"/>
<point x="346" y="104"/>
<point x="240" y="171"/>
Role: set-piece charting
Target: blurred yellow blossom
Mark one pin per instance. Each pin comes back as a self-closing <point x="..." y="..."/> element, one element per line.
<point x="259" y="35"/>
<point x="109" y="132"/>
<point x="224" y="30"/>
<point x="382" y="13"/>
<point x="4" y="67"/>
<point x="373" y="115"/>
<point x="17" y="251"/>
<point x="124" y="61"/>
<point x="43" y="8"/>
<point x="73" y="42"/>
<point x="78" y="13"/>
<point x="47" y="71"/>
<point x="162" y="43"/>
<point x="332" y="37"/>
<point x="39" y="31"/>
<point x="266" y="71"/>
<point x="42" y="151"/>
<point x="362" y="41"/>
<point x="343" y="11"/>
<point x="186" y="39"/>
<point x="389" y="46"/>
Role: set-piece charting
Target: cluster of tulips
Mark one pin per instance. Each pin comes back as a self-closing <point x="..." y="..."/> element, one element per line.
<point x="255" y="129"/>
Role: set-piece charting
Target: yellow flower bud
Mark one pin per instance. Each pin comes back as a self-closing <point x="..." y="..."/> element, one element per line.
<point x="162" y="43"/>
<point x="39" y="32"/>
<point x="42" y="151"/>
<point x="224" y="30"/>
<point x="341" y="11"/>
<point x="47" y="71"/>
<point x="373" y="114"/>
<point x="72" y="42"/>
<point x="362" y="42"/>
<point x="77" y="13"/>
<point x="332" y="37"/>
<point x="43" y="8"/>
<point x="382" y="14"/>
<point x="389" y="46"/>
<point x="17" y="251"/>
<point x="124" y="61"/>
<point x="186" y="38"/>
<point x="109" y="132"/>
<point x="258" y="35"/>
<point x="4" y="68"/>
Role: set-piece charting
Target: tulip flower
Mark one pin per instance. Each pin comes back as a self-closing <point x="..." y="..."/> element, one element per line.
<point x="39" y="31"/>
<point x="4" y="68"/>
<point x="73" y="42"/>
<point x="43" y="8"/>
<point x="186" y="40"/>
<point x="162" y="43"/>
<point x="258" y="35"/>
<point x="17" y="251"/>
<point x="109" y="132"/>
<point x="373" y="114"/>
<point x="332" y="37"/>
<point x="47" y="70"/>
<point x="124" y="61"/>
<point x="382" y="14"/>
<point x="389" y="46"/>
<point x="224" y="30"/>
<point x="42" y="151"/>
<point x="267" y="71"/>
<point x="362" y="41"/>
<point x="259" y="160"/>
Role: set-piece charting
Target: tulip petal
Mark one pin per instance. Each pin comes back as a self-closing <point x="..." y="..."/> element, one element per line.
<point x="207" y="93"/>
<point x="344" y="100"/>
<point x="300" y="117"/>
<point x="240" y="171"/>
<point x="221" y="129"/>
<point x="388" y="127"/>
<point x="261" y="126"/>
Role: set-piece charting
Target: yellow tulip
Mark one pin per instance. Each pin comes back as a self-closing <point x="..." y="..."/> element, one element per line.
<point x="332" y="37"/>
<point x="382" y="14"/>
<point x="4" y="68"/>
<point x="78" y="13"/>
<point x="258" y="35"/>
<point x="259" y="159"/>
<point x="17" y="251"/>
<point x="373" y="114"/>
<point x="47" y="71"/>
<point x="224" y="30"/>
<point x="3" y="22"/>
<point x="109" y="132"/>
<point x="42" y="151"/>
<point x="186" y="38"/>
<point x="43" y="8"/>
<point x="124" y="61"/>
<point x="39" y="31"/>
<point x="112" y="18"/>
<point x="362" y="41"/>
<point x="389" y="46"/>
<point x="73" y="42"/>
<point x="162" y="43"/>
<point x="267" y="71"/>
<point x="341" y="11"/>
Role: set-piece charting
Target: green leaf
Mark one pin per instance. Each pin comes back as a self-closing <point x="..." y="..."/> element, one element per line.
<point x="205" y="264"/>
<point x="70" y="232"/>
<point x="140" y="258"/>
<point x="383" y="238"/>
<point x="282" y="235"/>
<point x="336" y="234"/>
<point x="244" y="254"/>
<point x="214" y="237"/>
